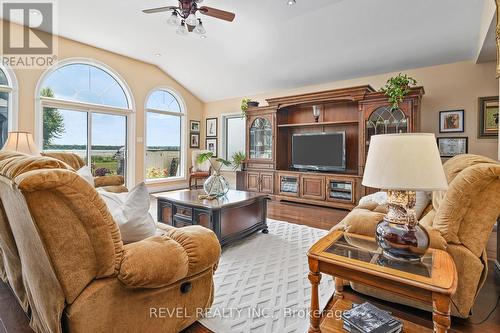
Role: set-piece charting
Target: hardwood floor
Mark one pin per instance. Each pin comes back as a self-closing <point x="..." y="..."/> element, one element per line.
<point x="13" y="319"/>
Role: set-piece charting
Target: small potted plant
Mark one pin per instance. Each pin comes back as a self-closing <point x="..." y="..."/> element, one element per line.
<point x="247" y="103"/>
<point x="238" y="160"/>
<point x="397" y="88"/>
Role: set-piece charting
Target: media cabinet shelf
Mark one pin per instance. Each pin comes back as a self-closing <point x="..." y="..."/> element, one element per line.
<point x="324" y="123"/>
<point x="358" y="112"/>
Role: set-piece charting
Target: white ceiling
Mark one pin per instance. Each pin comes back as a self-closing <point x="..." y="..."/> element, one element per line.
<point x="271" y="46"/>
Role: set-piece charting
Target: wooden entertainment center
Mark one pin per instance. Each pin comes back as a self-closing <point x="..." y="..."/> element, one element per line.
<point x="358" y="111"/>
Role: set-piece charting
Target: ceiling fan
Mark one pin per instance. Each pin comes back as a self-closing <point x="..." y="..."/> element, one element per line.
<point x="184" y="16"/>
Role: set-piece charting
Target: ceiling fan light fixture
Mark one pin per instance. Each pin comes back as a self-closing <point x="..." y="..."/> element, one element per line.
<point x="200" y="29"/>
<point x="182" y="29"/>
<point x="173" y="19"/>
<point x="291" y="2"/>
<point x="191" y="20"/>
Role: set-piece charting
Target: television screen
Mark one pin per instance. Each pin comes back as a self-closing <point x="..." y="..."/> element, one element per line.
<point x="319" y="151"/>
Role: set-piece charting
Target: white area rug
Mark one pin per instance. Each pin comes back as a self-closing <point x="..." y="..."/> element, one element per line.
<point x="261" y="285"/>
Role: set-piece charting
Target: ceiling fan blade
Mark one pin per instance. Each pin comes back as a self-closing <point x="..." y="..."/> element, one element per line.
<point x="217" y="13"/>
<point x="159" y="10"/>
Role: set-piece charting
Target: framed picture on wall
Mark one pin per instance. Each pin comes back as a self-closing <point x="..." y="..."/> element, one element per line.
<point x="488" y="117"/>
<point x="211" y="145"/>
<point x="194" y="140"/>
<point x="211" y="127"/>
<point x="449" y="147"/>
<point x="452" y="121"/>
<point x="194" y="126"/>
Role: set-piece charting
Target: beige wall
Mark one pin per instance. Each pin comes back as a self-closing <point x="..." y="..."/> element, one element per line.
<point x="447" y="87"/>
<point x="140" y="77"/>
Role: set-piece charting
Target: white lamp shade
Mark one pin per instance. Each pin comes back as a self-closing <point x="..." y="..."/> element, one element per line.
<point x="404" y="162"/>
<point x="21" y="142"/>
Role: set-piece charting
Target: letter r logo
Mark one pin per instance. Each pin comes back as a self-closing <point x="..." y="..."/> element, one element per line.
<point x="37" y="28"/>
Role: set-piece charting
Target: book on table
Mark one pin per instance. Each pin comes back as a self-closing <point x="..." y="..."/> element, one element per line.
<point x="367" y="318"/>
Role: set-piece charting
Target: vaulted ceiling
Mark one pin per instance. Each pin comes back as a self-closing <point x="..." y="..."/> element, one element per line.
<point x="271" y="46"/>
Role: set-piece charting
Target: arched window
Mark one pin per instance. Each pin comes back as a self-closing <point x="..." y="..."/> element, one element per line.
<point x="164" y="133"/>
<point x="86" y="109"/>
<point x="6" y="105"/>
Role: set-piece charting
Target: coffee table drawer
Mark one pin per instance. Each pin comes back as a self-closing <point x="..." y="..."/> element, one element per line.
<point x="180" y="222"/>
<point x="183" y="211"/>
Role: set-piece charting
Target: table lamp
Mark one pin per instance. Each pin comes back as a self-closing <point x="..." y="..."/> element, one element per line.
<point x="403" y="164"/>
<point x="21" y="142"/>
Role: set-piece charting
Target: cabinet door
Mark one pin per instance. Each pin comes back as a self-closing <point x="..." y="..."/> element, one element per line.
<point x="288" y="184"/>
<point x="267" y="182"/>
<point x="260" y="138"/>
<point x="253" y="181"/>
<point x="312" y="187"/>
<point x="165" y="212"/>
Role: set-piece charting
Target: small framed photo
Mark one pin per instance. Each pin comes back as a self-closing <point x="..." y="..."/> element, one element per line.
<point x="211" y="145"/>
<point x="194" y="140"/>
<point x="488" y="117"/>
<point x="452" y="121"/>
<point x="194" y="126"/>
<point x="449" y="147"/>
<point x="211" y="127"/>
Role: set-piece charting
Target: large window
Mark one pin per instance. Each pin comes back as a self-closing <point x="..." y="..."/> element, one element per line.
<point x="5" y="98"/>
<point x="86" y="111"/>
<point x="233" y="140"/>
<point x="164" y="133"/>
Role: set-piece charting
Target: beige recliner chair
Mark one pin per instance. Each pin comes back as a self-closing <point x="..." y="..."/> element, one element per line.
<point x="74" y="271"/>
<point x="459" y="220"/>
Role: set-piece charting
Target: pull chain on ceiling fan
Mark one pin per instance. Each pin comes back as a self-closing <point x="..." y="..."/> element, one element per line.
<point x="184" y="16"/>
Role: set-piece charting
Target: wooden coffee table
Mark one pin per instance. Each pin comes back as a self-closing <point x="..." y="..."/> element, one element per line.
<point x="232" y="217"/>
<point x="358" y="259"/>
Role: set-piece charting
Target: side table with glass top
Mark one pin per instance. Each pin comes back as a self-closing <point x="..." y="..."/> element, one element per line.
<point x="356" y="258"/>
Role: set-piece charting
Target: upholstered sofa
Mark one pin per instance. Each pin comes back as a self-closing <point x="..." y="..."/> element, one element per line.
<point x="64" y="259"/>
<point x="111" y="183"/>
<point x="458" y="220"/>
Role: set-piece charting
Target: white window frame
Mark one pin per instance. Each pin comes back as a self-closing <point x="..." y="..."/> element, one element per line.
<point x="184" y="133"/>
<point x="12" y="89"/>
<point x="223" y="142"/>
<point x="89" y="108"/>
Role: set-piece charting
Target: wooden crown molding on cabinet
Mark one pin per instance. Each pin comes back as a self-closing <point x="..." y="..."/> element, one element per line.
<point x="345" y="94"/>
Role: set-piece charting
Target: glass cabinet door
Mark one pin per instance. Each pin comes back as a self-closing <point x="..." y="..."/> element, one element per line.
<point x="261" y="139"/>
<point x="386" y="121"/>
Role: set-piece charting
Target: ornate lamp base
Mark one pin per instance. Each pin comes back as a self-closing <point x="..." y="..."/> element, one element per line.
<point x="402" y="242"/>
<point x="398" y="234"/>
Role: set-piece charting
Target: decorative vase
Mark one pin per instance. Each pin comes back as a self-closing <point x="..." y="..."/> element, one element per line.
<point x="216" y="185"/>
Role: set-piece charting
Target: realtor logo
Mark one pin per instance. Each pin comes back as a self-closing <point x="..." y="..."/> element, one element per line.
<point x="28" y="34"/>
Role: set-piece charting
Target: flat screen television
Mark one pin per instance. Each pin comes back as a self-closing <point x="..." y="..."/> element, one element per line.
<point x="319" y="151"/>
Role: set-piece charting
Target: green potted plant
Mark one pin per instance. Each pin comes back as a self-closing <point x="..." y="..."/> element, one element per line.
<point x="247" y="103"/>
<point x="397" y="88"/>
<point x="238" y="160"/>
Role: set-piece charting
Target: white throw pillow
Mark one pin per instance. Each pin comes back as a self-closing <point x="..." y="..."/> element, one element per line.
<point x="86" y="173"/>
<point x="131" y="212"/>
<point x="423" y="199"/>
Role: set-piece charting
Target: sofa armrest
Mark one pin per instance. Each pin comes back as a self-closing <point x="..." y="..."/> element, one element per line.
<point x="201" y="245"/>
<point x="153" y="263"/>
<point x="160" y="261"/>
<point x="114" y="180"/>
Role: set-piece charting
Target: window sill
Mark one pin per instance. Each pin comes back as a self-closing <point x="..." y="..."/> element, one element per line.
<point x="165" y="180"/>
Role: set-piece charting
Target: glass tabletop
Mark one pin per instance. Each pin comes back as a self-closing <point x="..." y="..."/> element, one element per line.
<point x="367" y="250"/>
